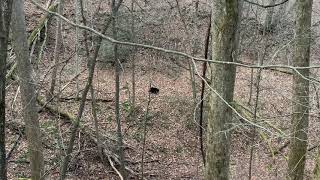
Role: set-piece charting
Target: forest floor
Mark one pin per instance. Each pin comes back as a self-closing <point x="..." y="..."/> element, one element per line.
<point x="172" y="141"/>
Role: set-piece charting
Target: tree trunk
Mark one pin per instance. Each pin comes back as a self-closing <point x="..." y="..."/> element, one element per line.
<point x="27" y="89"/>
<point x="300" y="117"/>
<point x="280" y="14"/>
<point x="58" y="50"/>
<point x="5" y="16"/>
<point x="133" y="65"/>
<point x="117" y="94"/>
<point x="77" y="43"/>
<point x="224" y="27"/>
<point x="269" y="17"/>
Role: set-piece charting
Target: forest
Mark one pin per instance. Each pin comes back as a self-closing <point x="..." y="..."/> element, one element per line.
<point x="170" y="89"/>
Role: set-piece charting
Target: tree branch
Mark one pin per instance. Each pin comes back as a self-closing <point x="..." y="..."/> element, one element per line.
<point x="266" y="6"/>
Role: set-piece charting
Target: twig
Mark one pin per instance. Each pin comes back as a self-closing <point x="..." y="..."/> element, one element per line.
<point x="313" y="147"/>
<point x="15" y="146"/>
<point x="281" y="148"/>
<point x="145" y="133"/>
<point x="114" y="168"/>
<point x="288" y="143"/>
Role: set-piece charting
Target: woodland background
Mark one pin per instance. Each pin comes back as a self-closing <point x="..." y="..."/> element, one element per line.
<point x="159" y="131"/>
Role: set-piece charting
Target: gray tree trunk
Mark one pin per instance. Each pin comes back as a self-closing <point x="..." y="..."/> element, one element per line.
<point x="300" y="117"/>
<point x="269" y="17"/>
<point x="27" y="89"/>
<point x="5" y="16"/>
<point x="224" y="27"/>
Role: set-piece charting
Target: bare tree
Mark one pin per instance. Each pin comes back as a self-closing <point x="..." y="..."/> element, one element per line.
<point x="5" y="16"/>
<point x="27" y="88"/>
<point x="300" y="118"/>
<point x="224" y="27"/>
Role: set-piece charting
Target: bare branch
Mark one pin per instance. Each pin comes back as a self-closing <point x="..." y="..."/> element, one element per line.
<point x="266" y="6"/>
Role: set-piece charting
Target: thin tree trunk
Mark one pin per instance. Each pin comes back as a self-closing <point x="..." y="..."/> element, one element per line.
<point x="203" y="86"/>
<point x="224" y="28"/>
<point x="300" y="117"/>
<point x="117" y="95"/>
<point x="27" y="88"/>
<point x="269" y="17"/>
<point x="77" y="45"/>
<point x="93" y="99"/>
<point x="5" y="15"/>
<point x="58" y="49"/>
<point x="256" y="104"/>
<point x="77" y="122"/>
<point x="144" y="134"/>
<point x="133" y="75"/>
<point x="260" y="60"/>
<point x="96" y="124"/>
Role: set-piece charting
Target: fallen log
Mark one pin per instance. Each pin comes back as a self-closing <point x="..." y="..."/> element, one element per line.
<point x="108" y="141"/>
<point x="67" y="117"/>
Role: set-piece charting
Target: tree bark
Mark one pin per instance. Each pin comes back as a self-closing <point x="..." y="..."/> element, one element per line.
<point x="224" y="27"/>
<point x="27" y="89"/>
<point x="5" y="16"/>
<point x="300" y="117"/>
